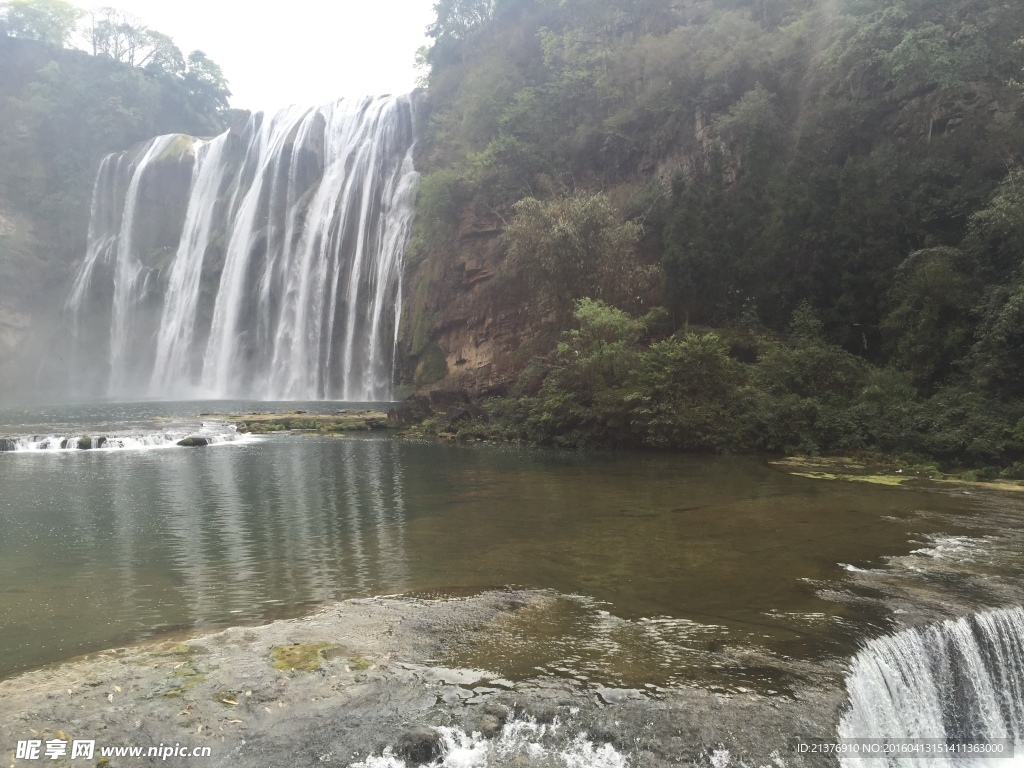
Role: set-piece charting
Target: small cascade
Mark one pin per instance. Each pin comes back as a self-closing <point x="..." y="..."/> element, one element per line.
<point x="958" y="681"/>
<point x="213" y="433"/>
<point x="265" y="263"/>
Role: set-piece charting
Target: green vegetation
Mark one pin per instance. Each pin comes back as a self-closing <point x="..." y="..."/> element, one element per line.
<point x="566" y="248"/>
<point x="49" y="21"/>
<point x="615" y="381"/>
<point x="61" y="110"/>
<point x="184" y="673"/>
<point x="828" y="193"/>
<point x="338" y="423"/>
<point x="299" y="657"/>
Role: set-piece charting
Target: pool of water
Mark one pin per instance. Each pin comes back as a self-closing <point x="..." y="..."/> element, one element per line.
<point x="661" y="569"/>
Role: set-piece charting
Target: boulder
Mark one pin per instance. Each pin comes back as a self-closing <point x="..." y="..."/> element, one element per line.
<point x="419" y="746"/>
<point x="415" y="409"/>
<point x="6" y="444"/>
<point x="194" y="442"/>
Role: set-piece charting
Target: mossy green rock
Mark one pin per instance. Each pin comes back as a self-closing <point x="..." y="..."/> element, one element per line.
<point x="301" y="657"/>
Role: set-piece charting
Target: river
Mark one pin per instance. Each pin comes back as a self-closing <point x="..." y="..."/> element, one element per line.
<point x="719" y="571"/>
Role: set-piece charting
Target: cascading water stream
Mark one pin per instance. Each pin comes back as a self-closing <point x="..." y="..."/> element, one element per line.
<point x="958" y="681"/>
<point x="264" y="263"/>
<point x="177" y="324"/>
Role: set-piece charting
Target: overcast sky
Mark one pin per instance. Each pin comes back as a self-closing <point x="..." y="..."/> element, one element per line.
<point x="296" y="51"/>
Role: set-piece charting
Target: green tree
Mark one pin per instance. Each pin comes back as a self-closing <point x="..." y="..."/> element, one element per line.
<point x="456" y="19"/>
<point x="686" y="394"/>
<point x="123" y="37"/>
<point x="930" y="325"/>
<point x="48" y="21"/>
<point x="206" y="84"/>
<point x="581" y="401"/>
<point x="570" y="247"/>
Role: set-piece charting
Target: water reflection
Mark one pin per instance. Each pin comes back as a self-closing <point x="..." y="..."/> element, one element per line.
<point x="95" y="549"/>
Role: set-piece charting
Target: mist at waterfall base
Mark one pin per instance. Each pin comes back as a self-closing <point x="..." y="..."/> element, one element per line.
<point x="264" y="264"/>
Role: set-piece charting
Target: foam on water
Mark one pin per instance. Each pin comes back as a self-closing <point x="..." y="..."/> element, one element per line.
<point x="542" y="745"/>
<point x="213" y="433"/>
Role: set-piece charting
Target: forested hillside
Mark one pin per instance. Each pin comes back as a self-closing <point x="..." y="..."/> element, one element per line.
<point x="809" y="212"/>
<point x="62" y="109"/>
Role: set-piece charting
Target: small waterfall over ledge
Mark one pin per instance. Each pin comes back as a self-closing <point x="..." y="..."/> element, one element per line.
<point x="265" y="263"/>
<point x="959" y="681"/>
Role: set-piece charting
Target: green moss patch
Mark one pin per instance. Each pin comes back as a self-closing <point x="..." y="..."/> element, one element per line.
<point x="179" y="146"/>
<point x="184" y="683"/>
<point x="879" y="471"/>
<point x="302" y="657"/>
<point x="432" y="366"/>
<point x="324" y="424"/>
<point x="875" y="479"/>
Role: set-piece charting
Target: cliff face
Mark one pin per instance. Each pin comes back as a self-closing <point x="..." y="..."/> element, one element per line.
<point x="505" y="123"/>
<point x="453" y="334"/>
<point x="468" y="323"/>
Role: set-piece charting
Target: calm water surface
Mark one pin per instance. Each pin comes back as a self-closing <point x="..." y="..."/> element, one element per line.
<point x="670" y="559"/>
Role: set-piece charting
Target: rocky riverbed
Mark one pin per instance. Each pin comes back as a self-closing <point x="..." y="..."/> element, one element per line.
<point x="360" y="683"/>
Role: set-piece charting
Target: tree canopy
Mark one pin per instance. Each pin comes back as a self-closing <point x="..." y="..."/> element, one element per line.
<point x="48" y="21"/>
<point x="122" y="37"/>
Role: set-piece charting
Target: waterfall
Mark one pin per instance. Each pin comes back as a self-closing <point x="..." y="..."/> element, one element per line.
<point x="958" y="681"/>
<point x="264" y="263"/>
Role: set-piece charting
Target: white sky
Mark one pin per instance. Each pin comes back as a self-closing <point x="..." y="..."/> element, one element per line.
<point x="297" y="51"/>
